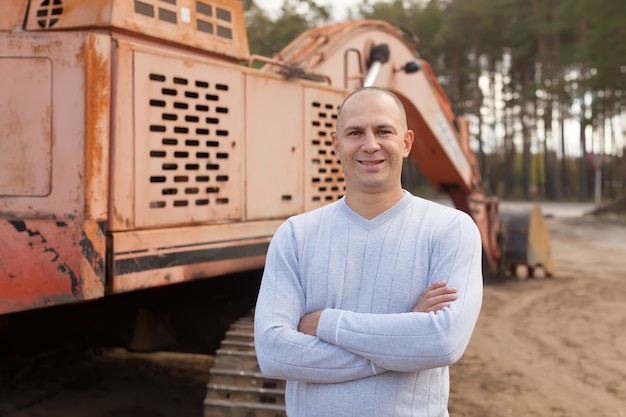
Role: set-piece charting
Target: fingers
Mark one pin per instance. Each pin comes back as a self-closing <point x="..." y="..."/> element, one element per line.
<point x="438" y="293"/>
<point x="436" y="297"/>
<point x="437" y="307"/>
<point x="439" y="302"/>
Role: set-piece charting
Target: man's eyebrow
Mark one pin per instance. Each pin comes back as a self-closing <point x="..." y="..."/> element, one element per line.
<point x="384" y="125"/>
<point x="353" y="127"/>
<point x="387" y="126"/>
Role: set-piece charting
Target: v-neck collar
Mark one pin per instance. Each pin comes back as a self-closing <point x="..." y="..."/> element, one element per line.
<point x="382" y="218"/>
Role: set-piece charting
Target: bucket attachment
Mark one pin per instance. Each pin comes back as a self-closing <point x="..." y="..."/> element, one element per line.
<point x="526" y="241"/>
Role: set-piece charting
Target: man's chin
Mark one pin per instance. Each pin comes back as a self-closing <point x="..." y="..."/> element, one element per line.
<point x="373" y="186"/>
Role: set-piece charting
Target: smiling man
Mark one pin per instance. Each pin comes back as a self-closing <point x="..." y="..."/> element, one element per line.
<point x="374" y="142"/>
<point x="366" y="302"/>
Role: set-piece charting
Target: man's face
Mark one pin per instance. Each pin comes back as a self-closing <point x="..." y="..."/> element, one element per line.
<point x="371" y="142"/>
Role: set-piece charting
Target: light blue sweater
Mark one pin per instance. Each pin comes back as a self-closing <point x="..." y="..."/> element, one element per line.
<point x="372" y="356"/>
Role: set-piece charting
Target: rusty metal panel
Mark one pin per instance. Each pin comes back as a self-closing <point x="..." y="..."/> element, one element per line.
<point x="122" y="148"/>
<point x="151" y="258"/>
<point x="50" y="262"/>
<point x="274" y="173"/>
<point x="188" y="141"/>
<point x="216" y="26"/>
<point x="323" y="179"/>
<point x="25" y="126"/>
<point x="52" y="249"/>
<point x="76" y="67"/>
<point x="12" y="14"/>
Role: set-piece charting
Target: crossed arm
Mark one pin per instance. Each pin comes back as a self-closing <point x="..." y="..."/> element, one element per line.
<point x="302" y="355"/>
<point x="434" y="298"/>
<point x="334" y="345"/>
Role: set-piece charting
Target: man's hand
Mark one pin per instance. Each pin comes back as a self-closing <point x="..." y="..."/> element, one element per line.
<point x="308" y="323"/>
<point x="435" y="298"/>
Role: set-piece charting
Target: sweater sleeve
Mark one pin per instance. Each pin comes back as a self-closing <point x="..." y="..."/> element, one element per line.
<point x="282" y="351"/>
<point x="408" y="342"/>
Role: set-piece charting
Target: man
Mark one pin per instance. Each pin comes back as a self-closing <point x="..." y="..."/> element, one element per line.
<point x="364" y="303"/>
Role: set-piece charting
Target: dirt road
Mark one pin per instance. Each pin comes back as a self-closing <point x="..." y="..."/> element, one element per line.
<point x="553" y="346"/>
<point x="542" y="347"/>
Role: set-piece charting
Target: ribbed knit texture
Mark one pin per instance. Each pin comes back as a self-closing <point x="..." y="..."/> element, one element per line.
<point x="372" y="356"/>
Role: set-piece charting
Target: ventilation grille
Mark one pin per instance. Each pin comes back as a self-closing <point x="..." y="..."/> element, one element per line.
<point x="327" y="177"/>
<point x="209" y="18"/>
<point x="189" y="150"/>
<point x="49" y="13"/>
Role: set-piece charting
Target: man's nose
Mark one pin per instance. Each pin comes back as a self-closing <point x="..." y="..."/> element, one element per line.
<point x="370" y="142"/>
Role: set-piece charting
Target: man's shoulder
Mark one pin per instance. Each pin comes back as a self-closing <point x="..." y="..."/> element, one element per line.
<point x="439" y="211"/>
<point x="313" y="217"/>
<point x="318" y="212"/>
<point x="302" y="224"/>
<point x="434" y="206"/>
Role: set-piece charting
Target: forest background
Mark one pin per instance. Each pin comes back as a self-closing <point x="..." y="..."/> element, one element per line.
<point x="542" y="82"/>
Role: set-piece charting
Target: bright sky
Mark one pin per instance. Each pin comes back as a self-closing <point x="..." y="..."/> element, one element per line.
<point x="338" y="8"/>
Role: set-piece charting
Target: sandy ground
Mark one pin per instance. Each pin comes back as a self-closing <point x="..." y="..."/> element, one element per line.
<point x="553" y="346"/>
<point x="542" y="347"/>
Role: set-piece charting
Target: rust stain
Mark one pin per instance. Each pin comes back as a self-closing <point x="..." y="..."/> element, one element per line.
<point x="47" y="48"/>
<point x="98" y="103"/>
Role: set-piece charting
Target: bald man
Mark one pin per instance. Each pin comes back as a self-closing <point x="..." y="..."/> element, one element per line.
<point x="366" y="302"/>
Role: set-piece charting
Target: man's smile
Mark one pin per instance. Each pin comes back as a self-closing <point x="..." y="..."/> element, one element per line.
<point x="372" y="162"/>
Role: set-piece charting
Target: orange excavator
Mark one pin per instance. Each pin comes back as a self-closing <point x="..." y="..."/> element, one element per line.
<point x="144" y="147"/>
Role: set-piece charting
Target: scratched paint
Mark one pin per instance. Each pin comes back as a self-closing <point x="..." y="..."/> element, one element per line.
<point x="49" y="262"/>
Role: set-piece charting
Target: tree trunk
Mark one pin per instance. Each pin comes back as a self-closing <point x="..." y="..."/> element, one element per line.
<point x="564" y="177"/>
<point x="526" y="161"/>
<point x="494" y="179"/>
<point x="509" y="152"/>
<point x="583" y="193"/>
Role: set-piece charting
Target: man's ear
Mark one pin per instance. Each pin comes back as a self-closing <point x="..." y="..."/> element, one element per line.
<point x="333" y="138"/>
<point x="408" y="142"/>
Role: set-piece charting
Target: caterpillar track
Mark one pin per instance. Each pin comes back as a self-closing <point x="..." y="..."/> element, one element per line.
<point x="236" y="387"/>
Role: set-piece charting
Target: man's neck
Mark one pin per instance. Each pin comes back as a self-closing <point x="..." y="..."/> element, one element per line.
<point x="370" y="205"/>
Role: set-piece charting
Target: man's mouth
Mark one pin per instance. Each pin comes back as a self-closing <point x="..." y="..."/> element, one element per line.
<point x="375" y="162"/>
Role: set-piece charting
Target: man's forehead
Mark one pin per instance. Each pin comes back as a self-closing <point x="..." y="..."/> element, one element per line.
<point x="384" y="113"/>
<point x="369" y="120"/>
<point x="362" y="103"/>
